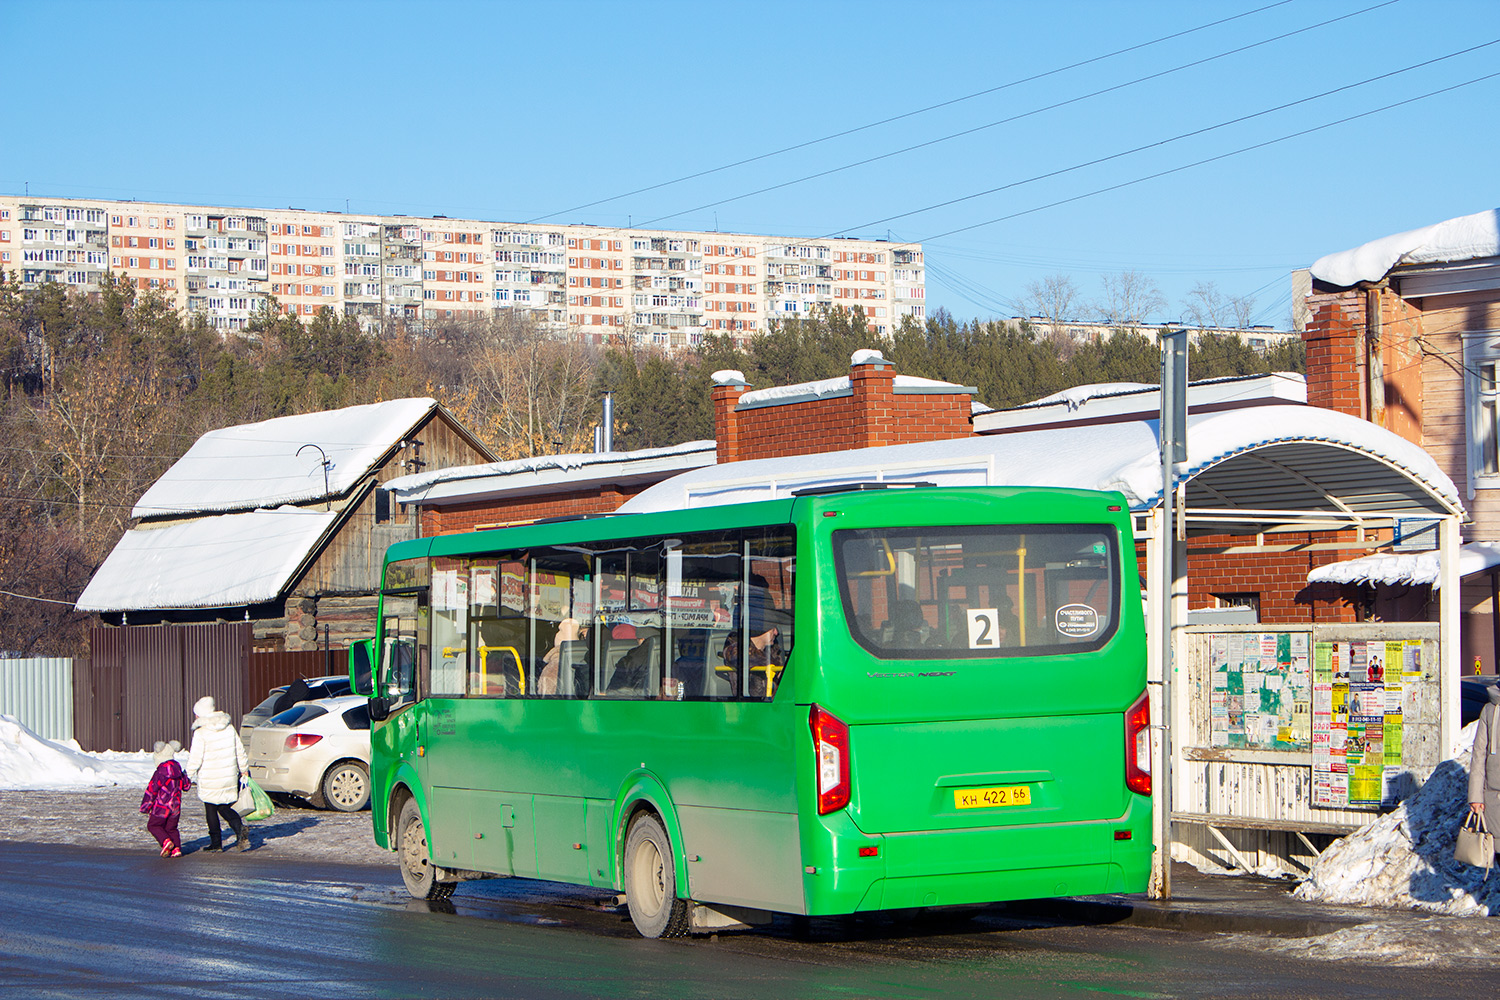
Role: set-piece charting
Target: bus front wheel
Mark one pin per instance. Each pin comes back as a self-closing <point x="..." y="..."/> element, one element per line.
<point x="417" y="869"/>
<point x="651" y="881"/>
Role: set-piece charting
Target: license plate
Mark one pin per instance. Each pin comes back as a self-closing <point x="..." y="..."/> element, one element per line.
<point x="990" y="798"/>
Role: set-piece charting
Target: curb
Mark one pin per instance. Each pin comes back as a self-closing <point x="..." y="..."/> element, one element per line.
<point x="1190" y="917"/>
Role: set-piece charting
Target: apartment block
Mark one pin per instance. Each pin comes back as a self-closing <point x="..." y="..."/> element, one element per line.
<point x="598" y="284"/>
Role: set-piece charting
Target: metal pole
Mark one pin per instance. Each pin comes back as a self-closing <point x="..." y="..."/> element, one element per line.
<point x="1173" y="434"/>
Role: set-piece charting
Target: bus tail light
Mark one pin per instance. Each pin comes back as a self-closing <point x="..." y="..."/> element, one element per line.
<point x="1138" y="745"/>
<point x="831" y="745"/>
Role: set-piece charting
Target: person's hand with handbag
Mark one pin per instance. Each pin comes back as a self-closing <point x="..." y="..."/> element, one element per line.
<point x="1475" y="845"/>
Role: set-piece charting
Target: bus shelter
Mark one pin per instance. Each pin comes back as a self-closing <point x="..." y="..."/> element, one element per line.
<point x="1258" y="481"/>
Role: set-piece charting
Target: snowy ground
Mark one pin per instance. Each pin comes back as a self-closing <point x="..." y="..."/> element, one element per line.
<point x="53" y="793"/>
<point x="1421" y="943"/>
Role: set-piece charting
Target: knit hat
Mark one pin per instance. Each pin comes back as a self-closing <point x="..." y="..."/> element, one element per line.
<point x="204" y="706"/>
<point x="163" y="752"/>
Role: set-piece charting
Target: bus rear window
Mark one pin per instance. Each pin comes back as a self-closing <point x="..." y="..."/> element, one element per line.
<point x="980" y="591"/>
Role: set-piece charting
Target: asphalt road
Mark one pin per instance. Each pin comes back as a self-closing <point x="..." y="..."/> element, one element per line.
<point x="86" y="922"/>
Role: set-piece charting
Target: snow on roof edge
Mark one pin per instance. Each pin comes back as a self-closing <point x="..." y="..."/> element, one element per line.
<point x="1462" y="238"/>
<point x="565" y="462"/>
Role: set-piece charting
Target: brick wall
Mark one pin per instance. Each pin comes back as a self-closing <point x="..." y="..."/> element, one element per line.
<point x="1335" y="359"/>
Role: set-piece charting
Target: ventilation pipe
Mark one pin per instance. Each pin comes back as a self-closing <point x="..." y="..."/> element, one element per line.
<point x="604" y="435"/>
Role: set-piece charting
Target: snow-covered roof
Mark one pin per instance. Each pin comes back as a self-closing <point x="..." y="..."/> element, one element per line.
<point x="1407" y="568"/>
<point x="1107" y="401"/>
<point x="520" y="475"/>
<point x="829" y="388"/>
<point x="227" y="560"/>
<point x="1079" y="394"/>
<point x="259" y="465"/>
<point x="1464" y="238"/>
<point x="1296" y="458"/>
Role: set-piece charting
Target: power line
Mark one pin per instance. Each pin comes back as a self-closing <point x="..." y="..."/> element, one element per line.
<point x="1213" y="159"/>
<point x="1019" y="117"/>
<point x="46" y="600"/>
<point x="1160" y="142"/>
<point x="911" y="114"/>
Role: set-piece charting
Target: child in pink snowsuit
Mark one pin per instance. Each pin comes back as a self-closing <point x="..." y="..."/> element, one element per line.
<point x="163" y="798"/>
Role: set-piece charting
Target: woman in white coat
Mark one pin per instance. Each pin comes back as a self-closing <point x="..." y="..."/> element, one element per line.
<point x="216" y="764"/>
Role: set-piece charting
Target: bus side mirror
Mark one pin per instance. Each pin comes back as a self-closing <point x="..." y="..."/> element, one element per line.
<point x="362" y="668"/>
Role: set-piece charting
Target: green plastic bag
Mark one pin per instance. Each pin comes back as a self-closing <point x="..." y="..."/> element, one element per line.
<point x="263" y="807"/>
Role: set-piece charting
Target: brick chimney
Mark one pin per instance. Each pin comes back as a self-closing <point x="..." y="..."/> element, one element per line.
<point x="729" y="386"/>
<point x="871" y="378"/>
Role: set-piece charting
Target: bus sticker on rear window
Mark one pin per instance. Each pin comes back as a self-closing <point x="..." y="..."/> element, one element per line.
<point x="1077" y="620"/>
<point x="984" y="629"/>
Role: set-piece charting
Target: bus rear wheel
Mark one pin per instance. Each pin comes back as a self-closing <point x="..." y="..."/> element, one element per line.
<point x="417" y="869"/>
<point x="651" y="881"/>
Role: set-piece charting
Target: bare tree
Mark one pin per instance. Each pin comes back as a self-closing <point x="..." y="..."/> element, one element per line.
<point x="1129" y="298"/>
<point x="1205" y="305"/>
<point x="1243" y="307"/>
<point x="528" y="391"/>
<point x="1054" y="300"/>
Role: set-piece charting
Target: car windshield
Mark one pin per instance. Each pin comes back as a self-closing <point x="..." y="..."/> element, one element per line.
<point x="299" y="714"/>
<point x="979" y="591"/>
<point x="264" y="708"/>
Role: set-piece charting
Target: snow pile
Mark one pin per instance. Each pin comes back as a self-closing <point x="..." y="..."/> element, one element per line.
<point x="27" y="761"/>
<point x="1405" y="858"/>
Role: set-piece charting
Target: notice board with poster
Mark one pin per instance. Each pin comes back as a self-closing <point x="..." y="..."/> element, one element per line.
<point x="1363" y="691"/>
<point x="1323" y="722"/>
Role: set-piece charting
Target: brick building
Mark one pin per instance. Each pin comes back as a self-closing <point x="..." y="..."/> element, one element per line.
<point x="1401" y="332"/>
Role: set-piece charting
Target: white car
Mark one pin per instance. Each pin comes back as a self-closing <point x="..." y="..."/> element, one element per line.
<point x="327" y="686"/>
<point x="319" y="750"/>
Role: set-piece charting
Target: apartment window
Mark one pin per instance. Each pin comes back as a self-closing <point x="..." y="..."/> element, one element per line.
<point x="133" y="222"/>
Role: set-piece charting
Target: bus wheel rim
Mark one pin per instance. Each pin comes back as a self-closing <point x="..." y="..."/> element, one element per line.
<point x="414" y="849"/>
<point x="650" y="877"/>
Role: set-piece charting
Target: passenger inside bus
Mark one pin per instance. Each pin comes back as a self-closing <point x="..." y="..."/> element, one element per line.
<point x="564" y="652"/>
<point x="691" y="664"/>
<point x="632" y="671"/>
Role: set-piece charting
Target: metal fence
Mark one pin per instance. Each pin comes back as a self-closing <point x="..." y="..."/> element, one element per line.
<point x="38" y="692"/>
<point x="141" y="681"/>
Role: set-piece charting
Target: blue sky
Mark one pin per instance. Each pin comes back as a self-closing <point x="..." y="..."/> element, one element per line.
<point x="524" y="111"/>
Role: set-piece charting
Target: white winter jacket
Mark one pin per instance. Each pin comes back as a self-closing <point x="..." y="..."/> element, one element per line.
<point x="217" y="758"/>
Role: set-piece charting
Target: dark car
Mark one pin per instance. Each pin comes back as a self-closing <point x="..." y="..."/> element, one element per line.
<point x="1473" y="694"/>
<point x="329" y="686"/>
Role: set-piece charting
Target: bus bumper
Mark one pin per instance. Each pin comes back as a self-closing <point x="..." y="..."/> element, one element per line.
<point x="966" y="867"/>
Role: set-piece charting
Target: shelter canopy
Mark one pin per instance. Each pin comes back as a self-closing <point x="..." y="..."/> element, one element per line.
<point x="1270" y="458"/>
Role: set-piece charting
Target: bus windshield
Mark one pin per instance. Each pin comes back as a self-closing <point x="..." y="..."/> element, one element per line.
<point x="978" y="591"/>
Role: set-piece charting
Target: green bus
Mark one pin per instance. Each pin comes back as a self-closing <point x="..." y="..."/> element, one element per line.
<point x="855" y="699"/>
